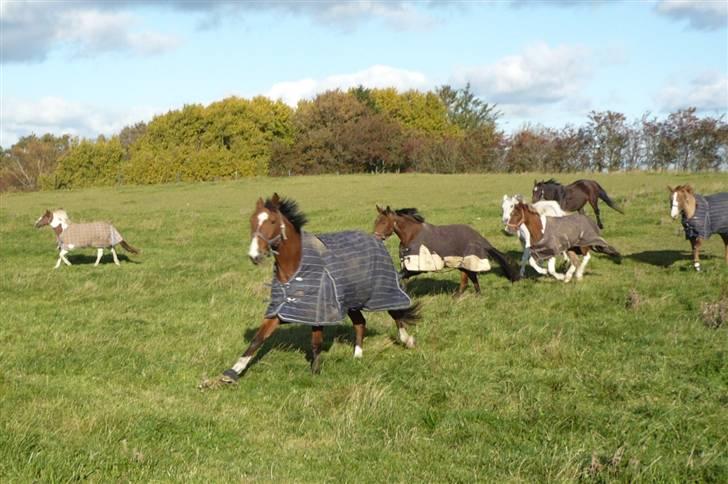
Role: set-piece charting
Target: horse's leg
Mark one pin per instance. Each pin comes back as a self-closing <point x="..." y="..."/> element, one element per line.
<point x="58" y="262"/>
<point x="574" y="263"/>
<point x="696" y="243"/>
<point x="63" y="256"/>
<point x="266" y="329"/>
<point x="99" y="253"/>
<point x="552" y="269"/>
<point x="725" y="241"/>
<point x="536" y="267"/>
<point x="404" y="338"/>
<point x="116" y="259"/>
<point x="595" y="205"/>
<point x="473" y="276"/>
<point x="582" y="266"/>
<point x="463" y="283"/>
<point x="317" y="338"/>
<point x="360" y="325"/>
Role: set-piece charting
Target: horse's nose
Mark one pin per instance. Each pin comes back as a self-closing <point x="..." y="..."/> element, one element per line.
<point x="255" y="260"/>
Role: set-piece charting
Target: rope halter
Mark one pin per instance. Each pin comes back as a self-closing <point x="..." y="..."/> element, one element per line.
<point x="273" y="242"/>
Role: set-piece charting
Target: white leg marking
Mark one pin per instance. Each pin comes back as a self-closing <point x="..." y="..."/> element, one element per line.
<point x="116" y="259"/>
<point x="552" y="269"/>
<point x="242" y="364"/>
<point x="569" y="273"/>
<point x="99" y="253"/>
<point x="406" y="339"/>
<point x="582" y="266"/>
<point x="58" y="263"/>
<point x="358" y="352"/>
<point x="536" y="267"/>
<point x="63" y="256"/>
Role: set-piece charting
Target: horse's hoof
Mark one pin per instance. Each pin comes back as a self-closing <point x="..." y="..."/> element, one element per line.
<point x="230" y="376"/>
<point x="410" y="343"/>
<point x="316" y="366"/>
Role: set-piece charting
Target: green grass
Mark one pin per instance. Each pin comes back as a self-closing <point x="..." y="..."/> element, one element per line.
<point x="535" y="381"/>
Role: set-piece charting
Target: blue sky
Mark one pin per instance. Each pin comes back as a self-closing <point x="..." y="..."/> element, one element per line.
<point x="92" y="67"/>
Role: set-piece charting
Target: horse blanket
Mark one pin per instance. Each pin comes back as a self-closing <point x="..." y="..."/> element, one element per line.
<point x="710" y="217"/>
<point x="338" y="272"/>
<point x="439" y="246"/>
<point x="94" y="234"/>
<point x="562" y="233"/>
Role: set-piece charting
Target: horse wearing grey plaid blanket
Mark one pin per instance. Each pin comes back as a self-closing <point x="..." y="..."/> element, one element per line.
<point x="701" y="217"/>
<point x="318" y="280"/>
<point x="100" y="235"/>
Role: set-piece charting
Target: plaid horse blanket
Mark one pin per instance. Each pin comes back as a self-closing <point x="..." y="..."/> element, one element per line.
<point x="438" y="246"/>
<point x="339" y="272"/>
<point x="94" y="234"/>
<point x="562" y="233"/>
<point x="710" y="217"/>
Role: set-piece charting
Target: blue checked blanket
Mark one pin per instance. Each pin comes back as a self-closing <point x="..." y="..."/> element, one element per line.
<point x="711" y="217"/>
<point x="339" y="272"/>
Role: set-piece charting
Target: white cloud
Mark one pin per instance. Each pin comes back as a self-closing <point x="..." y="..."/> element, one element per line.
<point x="540" y="75"/>
<point x="707" y="92"/>
<point x="377" y="76"/>
<point x="60" y="116"/>
<point x="701" y="15"/>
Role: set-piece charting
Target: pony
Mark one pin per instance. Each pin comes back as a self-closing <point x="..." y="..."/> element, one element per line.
<point x="101" y="235"/>
<point x="702" y="216"/>
<point x="319" y="279"/>
<point x="575" y="234"/>
<point x="424" y="247"/>
<point x="574" y="196"/>
<point x="545" y="208"/>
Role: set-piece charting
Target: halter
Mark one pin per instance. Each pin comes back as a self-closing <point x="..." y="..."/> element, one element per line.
<point x="273" y="242"/>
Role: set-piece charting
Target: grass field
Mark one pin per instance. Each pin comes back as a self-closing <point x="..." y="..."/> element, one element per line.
<point x="613" y="378"/>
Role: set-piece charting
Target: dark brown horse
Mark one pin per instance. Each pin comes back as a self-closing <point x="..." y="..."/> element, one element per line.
<point x="424" y="247"/>
<point x="574" y="196"/>
<point x="318" y="280"/>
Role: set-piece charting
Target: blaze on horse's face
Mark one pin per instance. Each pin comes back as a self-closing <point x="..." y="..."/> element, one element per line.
<point x="44" y="219"/>
<point x="384" y="223"/>
<point x="267" y="229"/>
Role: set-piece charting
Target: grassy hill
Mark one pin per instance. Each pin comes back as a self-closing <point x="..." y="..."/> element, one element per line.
<point x="614" y="378"/>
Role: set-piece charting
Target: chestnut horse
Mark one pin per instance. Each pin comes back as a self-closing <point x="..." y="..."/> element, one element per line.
<point x="458" y="246"/>
<point x="702" y="216"/>
<point x="574" y="196"/>
<point x="320" y="279"/>
<point x="576" y="234"/>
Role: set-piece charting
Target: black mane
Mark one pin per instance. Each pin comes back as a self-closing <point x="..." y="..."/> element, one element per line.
<point x="550" y="181"/>
<point x="289" y="209"/>
<point x="412" y="213"/>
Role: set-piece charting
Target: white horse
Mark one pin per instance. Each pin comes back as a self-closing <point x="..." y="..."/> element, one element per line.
<point x="545" y="208"/>
<point x="70" y="236"/>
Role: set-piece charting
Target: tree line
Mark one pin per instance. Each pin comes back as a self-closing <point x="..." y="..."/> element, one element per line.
<point x="361" y="130"/>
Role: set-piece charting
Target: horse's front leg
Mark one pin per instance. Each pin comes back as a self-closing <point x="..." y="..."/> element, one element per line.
<point x="574" y="264"/>
<point x="696" y="243"/>
<point x="99" y="253"/>
<point x="552" y="269"/>
<point x="317" y="338"/>
<point x="725" y="241"/>
<point x="266" y="329"/>
<point x="360" y="325"/>
<point x="582" y="266"/>
<point x="62" y="257"/>
<point x="463" y="283"/>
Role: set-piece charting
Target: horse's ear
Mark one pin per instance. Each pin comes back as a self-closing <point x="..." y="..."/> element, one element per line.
<point x="670" y="189"/>
<point x="379" y="209"/>
<point x="388" y="210"/>
<point x="259" y="204"/>
<point x="505" y="197"/>
<point x="276" y="199"/>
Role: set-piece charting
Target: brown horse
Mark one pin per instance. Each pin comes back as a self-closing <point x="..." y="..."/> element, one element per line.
<point x="424" y="247"/>
<point x="702" y="216"/>
<point x="318" y="280"/>
<point x="576" y="234"/>
<point x="574" y="196"/>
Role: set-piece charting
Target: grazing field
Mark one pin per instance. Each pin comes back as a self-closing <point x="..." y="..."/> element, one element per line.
<point x="617" y="377"/>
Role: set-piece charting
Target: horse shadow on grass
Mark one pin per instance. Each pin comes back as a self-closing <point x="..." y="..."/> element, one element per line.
<point x="297" y="337"/>
<point x="79" y="259"/>
<point x="665" y="258"/>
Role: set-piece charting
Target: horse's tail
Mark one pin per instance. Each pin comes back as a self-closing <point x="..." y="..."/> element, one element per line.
<point x="511" y="273"/>
<point x="408" y="316"/>
<point x="603" y="195"/>
<point x="128" y="247"/>
<point x="608" y="250"/>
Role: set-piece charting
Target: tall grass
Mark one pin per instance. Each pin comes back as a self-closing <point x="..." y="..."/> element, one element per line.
<point x="613" y="378"/>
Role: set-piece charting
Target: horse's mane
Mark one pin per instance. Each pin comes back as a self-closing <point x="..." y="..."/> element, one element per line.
<point x="289" y="209"/>
<point x="550" y="181"/>
<point x="61" y="214"/>
<point x="411" y="213"/>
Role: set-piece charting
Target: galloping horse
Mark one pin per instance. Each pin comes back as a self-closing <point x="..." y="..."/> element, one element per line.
<point x="318" y="280"/>
<point x="575" y="234"/>
<point x="101" y="235"/>
<point x="424" y="247"/>
<point x="702" y="216"/>
<point x="545" y="208"/>
<point x="574" y="196"/>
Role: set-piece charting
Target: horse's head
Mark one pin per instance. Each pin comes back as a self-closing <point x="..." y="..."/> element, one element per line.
<point x="516" y="217"/>
<point x="44" y="219"/>
<point x="54" y="219"/>
<point x="682" y="199"/>
<point x="508" y="204"/>
<point x="267" y="228"/>
<point x="544" y="190"/>
<point x="384" y="223"/>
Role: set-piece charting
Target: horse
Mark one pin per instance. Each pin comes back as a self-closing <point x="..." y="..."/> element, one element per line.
<point x="101" y="235"/>
<point x="575" y="234"/>
<point x="424" y="247"/>
<point x="702" y="216"/>
<point x="319" y="279"/>
<point x="545" y="208"/>
<point x="574" y="196"/>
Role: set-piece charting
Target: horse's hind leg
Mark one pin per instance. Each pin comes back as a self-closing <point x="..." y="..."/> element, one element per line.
<point x="725" y="241"/>
<point x="116" y="259"/>
<point x="473" y="276"/>
<point x="360" y="325"/>
<point x="463" y="283"/>
<point x="582" y="266"/>
<point x="62" y="257"/>
<point x="595" y="206"/>
<point x="404" y="338"/>
<point x="317" y="338"/>
<point x="574" y="264"/>
<point x="266" y="329"/>
<point x="552" y="269"/>
<point x="99" y="253"/>
<point x="696" y="243"/>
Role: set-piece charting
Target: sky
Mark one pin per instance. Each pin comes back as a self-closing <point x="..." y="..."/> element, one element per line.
<point x="92" y="67"/>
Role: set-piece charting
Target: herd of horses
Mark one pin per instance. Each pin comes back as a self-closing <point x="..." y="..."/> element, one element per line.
<point x="320" y="279"/>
